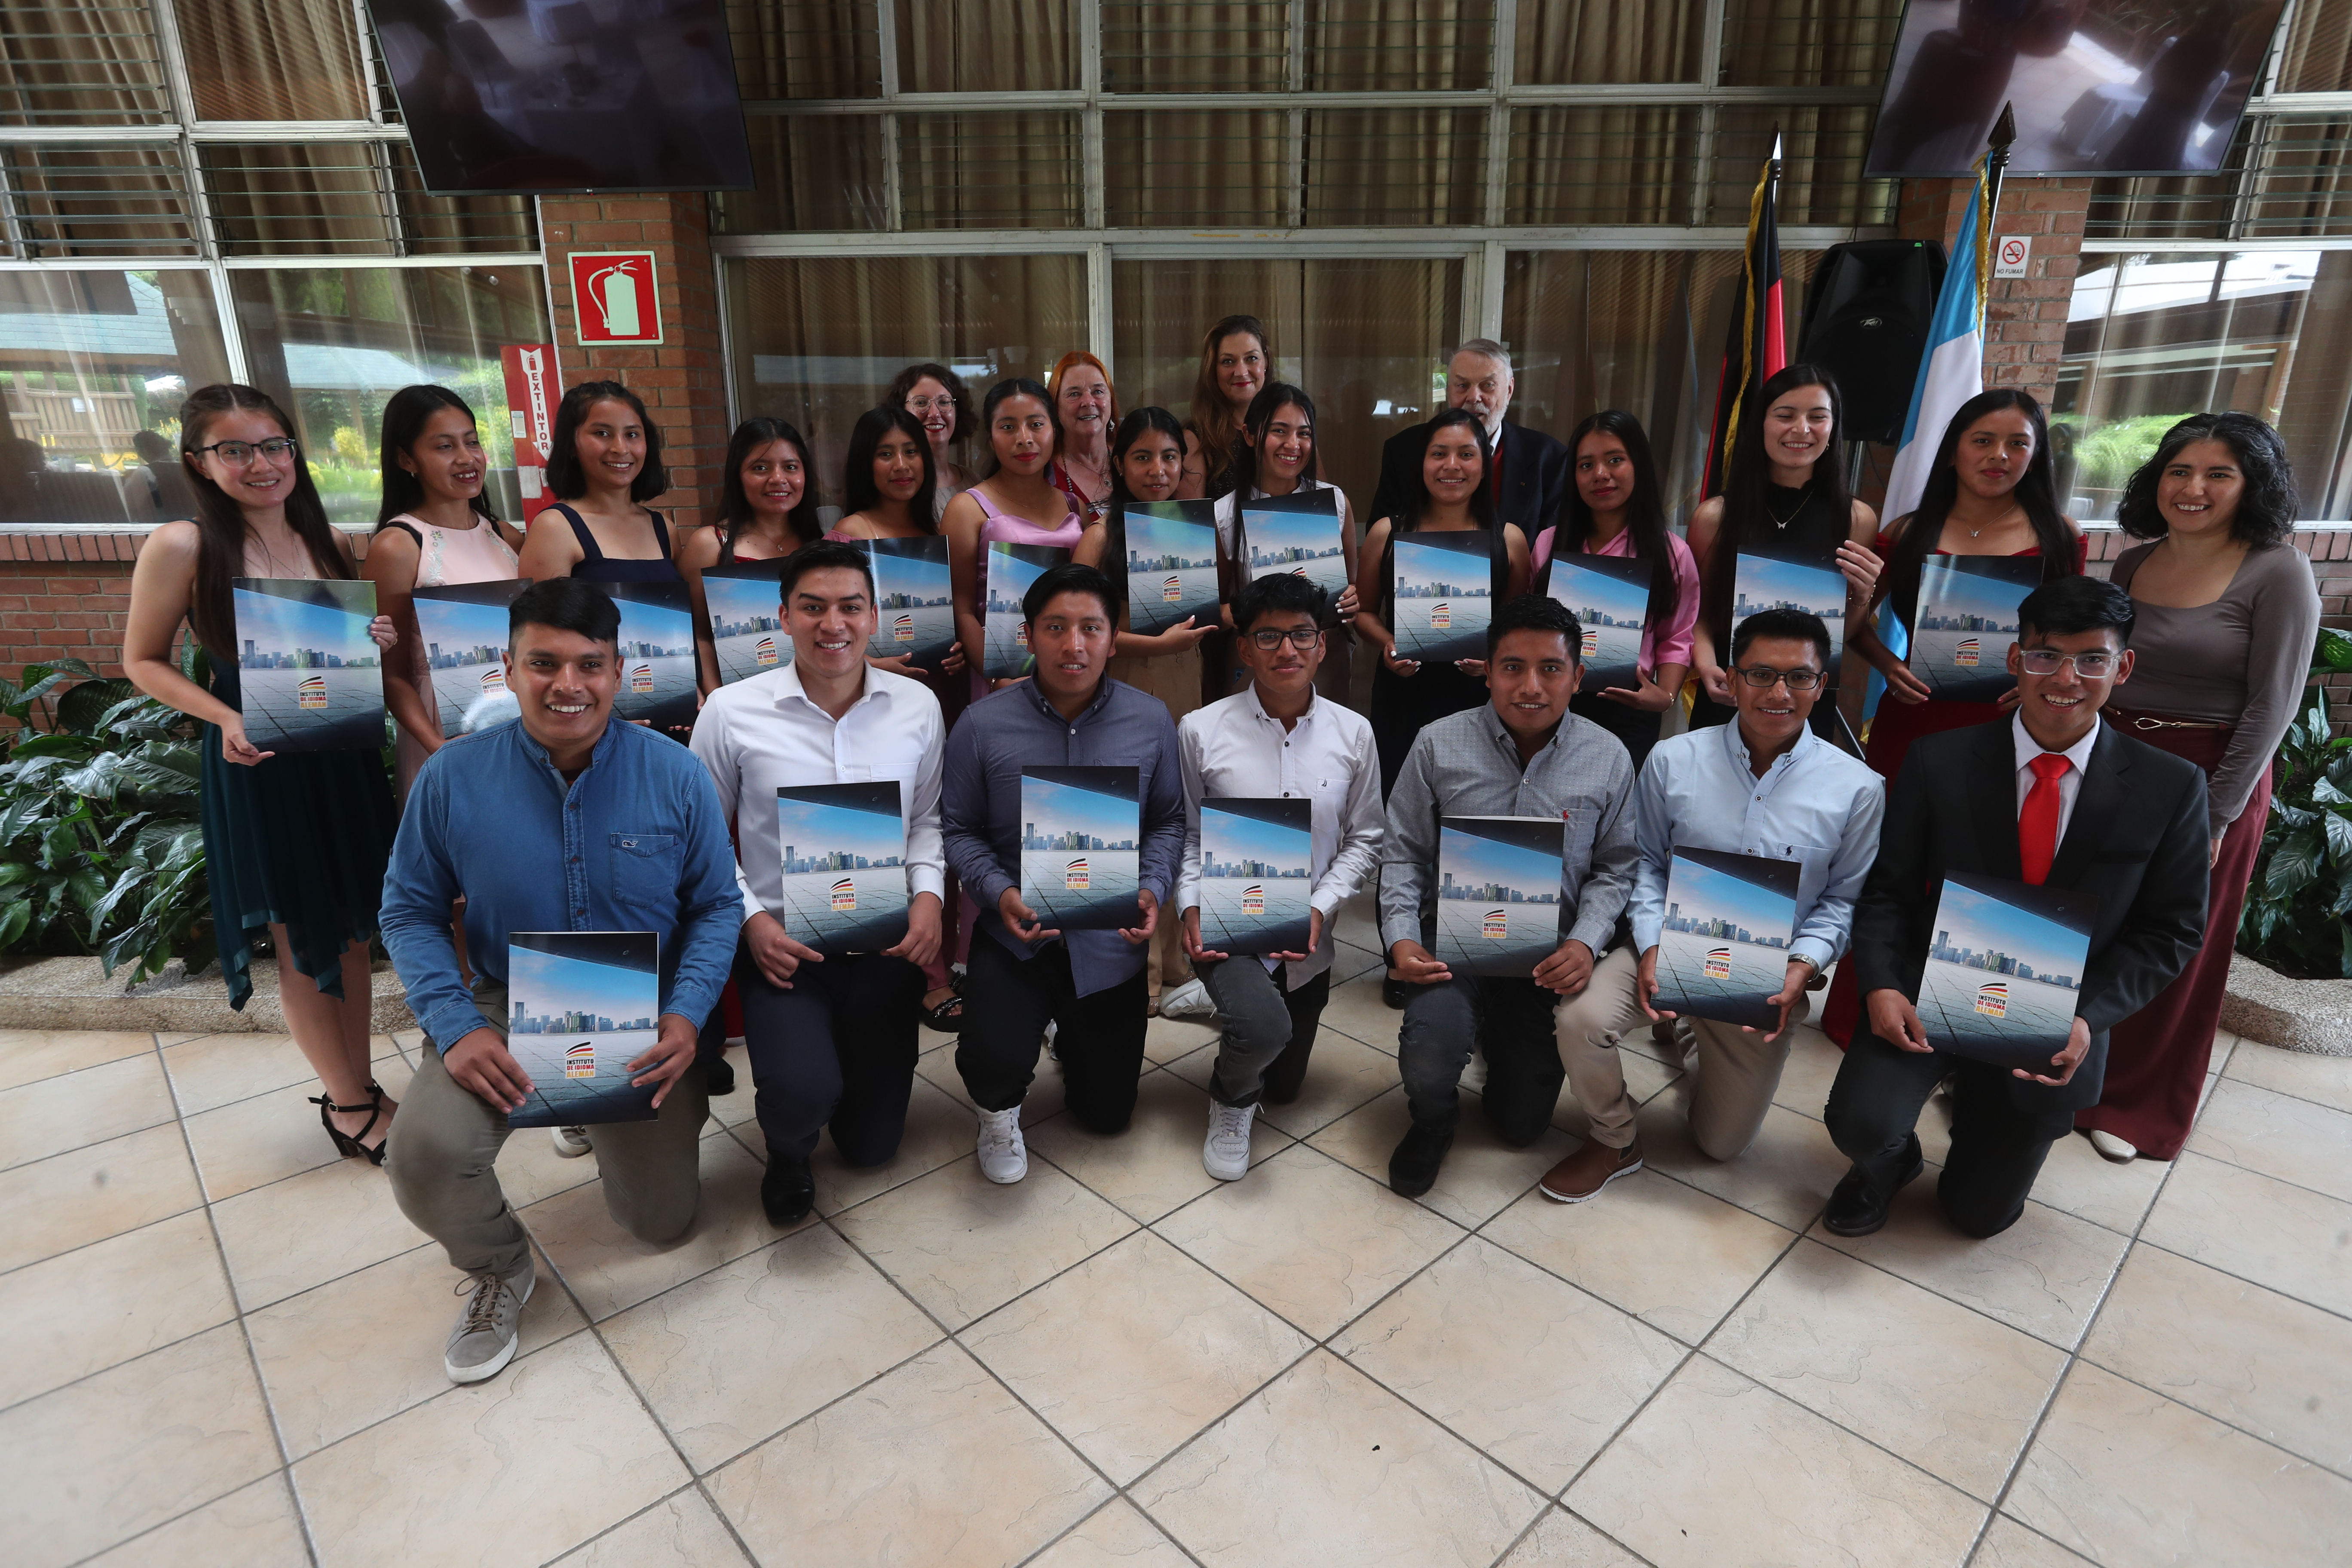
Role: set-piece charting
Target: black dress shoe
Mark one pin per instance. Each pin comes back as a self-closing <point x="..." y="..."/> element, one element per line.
<point x="787" y="1191"/>
<point x="1394" y="992"/>
<point x="717" y="1077"/>
<point x="1412" y="1169"/>
<point x="1856" y="1210"/>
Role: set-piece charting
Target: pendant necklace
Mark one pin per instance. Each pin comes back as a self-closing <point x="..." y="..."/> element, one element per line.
<point x="1781" y="523"/>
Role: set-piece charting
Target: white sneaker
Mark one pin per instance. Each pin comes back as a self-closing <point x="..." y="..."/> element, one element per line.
<point x="1004" y="1157"/>
<point x="1188" y="1000"/>
<point x="1225" y="1154"/>
<point x="571" y="1142"/>
<point x="2113" y="1148"/>
<point x="1473" y="1071"/>
<point x="1052" y="1032"/>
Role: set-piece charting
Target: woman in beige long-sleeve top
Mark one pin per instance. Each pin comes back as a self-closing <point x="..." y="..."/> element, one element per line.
<point x="2228" y="613"/>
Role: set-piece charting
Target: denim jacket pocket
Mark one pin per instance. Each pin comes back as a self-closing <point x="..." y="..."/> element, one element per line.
<point x="645" y="870"/>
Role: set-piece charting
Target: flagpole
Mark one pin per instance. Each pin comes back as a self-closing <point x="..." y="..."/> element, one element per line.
<point x="2004" y="133"/>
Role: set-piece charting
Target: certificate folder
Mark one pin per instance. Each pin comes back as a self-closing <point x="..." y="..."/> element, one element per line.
<point x="1724" y="948"/>
<point x="309" y="677"/>
<point x="914" y="606"/>
<point x="657" y="684"/>
<point x="580" y="1006"/>
<point x="1257" y="862"/>
<point x="2004" y="971"/>
<point x="1080" y="831"/>
<point x="1169" y="552"/>
<point x="463" y="628"/>
<point x="1499" y="909"/>
<point x="1769" y="578"/>
<point x="1610" y="596"/>
<point x="1297" y="533"/>
<point x="1442" y="591"/>
<point x="845" y="853"/>
<point x="747" y="618"/>
<point x="1007" y="571"/>
<point x="1964" y="620"/>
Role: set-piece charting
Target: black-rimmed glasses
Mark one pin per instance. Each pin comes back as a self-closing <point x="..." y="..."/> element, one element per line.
<point x="1764" y="679"/>
<point x="1300" y="637"/>
<point x="237" y="454"/>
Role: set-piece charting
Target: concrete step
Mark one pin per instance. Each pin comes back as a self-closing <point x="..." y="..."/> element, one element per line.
<point x="74" y="993"/>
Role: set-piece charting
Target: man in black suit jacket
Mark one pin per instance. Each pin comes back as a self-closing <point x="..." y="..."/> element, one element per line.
<point x="2049" y="789"/>
<point x="1532" y="469"/>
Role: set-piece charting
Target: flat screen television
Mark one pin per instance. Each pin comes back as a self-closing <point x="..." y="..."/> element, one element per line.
<point x="2100" y="87"/>
<point x="535" y="96"/>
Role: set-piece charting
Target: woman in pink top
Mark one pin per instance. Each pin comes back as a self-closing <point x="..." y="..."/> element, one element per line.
<point x="434" y="529"/>
<point x="1617" y="509"/>
<point x="1023" y="433"/>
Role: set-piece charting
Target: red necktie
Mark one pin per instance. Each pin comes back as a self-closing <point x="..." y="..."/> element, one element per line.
<point x="2037" y="819"/>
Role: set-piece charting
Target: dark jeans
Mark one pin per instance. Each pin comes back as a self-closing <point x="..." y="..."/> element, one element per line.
<point x="1008" y="1001"/>
<point x="1269" y="1033"/>
<point x="1997" y="1147"/>
<point x="837" y="1051"/>
<point x="1511" y="1021"/>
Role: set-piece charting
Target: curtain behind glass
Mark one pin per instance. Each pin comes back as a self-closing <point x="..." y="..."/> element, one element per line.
<point x="1809" y="43"/>
<point x="1369" y="45"/>
<point x="88" y="63"/>
<point x="813" y="48"/>
<point x="986" y="46"/>
<point x="1195" y="46"/>
<point x="273" y="60"/>
<point x="2315" y="55"/>
<point x="1610" y="41"/>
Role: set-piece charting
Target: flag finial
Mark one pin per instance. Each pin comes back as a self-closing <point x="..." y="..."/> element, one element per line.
<point x="1776" y="143"/>
<point x="2004" y="129"/>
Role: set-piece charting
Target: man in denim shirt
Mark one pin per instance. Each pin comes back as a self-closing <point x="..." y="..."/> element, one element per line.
<point x="562" y="821"/>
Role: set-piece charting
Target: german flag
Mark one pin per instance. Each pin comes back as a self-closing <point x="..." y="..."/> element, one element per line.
<point x="1756" y="345"/>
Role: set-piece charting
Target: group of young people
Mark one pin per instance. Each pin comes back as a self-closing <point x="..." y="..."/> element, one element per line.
<point x="570" y="820"/>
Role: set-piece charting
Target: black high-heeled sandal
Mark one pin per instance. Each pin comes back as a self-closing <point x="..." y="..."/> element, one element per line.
<point x="348" y="1144"/>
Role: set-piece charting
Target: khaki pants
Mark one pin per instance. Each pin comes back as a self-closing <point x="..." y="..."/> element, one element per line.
<point x="445" y="1149"/>
<point x="1738" y="1071"/>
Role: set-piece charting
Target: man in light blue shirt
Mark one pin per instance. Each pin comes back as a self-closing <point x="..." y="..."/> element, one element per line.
<point x="1765" y="784"/>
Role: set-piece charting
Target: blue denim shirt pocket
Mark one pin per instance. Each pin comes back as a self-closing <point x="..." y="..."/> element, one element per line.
<point x="646" y="870"/>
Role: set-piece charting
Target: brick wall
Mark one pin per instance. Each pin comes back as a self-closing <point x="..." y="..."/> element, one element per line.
<point x="2025" y="318"/>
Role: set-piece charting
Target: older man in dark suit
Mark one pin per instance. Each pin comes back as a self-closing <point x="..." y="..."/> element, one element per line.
<point x="1527" y="469"/>
<point x="2049" y="795"/>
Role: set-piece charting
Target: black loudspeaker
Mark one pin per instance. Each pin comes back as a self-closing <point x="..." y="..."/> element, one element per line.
<point x="1866" y="320"/>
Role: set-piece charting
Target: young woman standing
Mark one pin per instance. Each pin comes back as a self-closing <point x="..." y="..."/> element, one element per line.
<point x="1016" y="504"/>
<point x="934" y="395"/>
<point x="295" y="844"/>
<point x="766" y="510"/>
<point x="1088" y="412"/>
<point x="1616" y="509"/>
<point x="2228" y="613"/>
<point x="1277" y="458"/>
<point x="1235" y="360"/>
<point x="605" y="464"/>
<point x="433" y="529"/>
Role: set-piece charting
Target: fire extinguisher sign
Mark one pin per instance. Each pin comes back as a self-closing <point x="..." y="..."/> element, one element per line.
<point x="613" y="298"/>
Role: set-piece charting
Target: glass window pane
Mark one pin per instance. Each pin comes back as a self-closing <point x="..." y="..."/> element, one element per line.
<point x="1395" y="166"/>
<point x="1610" y="41"/>
<point x="1629" y="165"/>
<point x="273" y="60"/>
<point x="990" y="171"/>
<point x="1195" y="46"/>
<point x="455" y="225"/>
<point x="298" y="199"/>
<point x="1196" y="168"/>
<point x="93" y="368"/>
<point x="1367" y="339"/>
<point x="811" y="173"/>
<point x="811" y="48"/>
<point x="2315" y="55"/>
<point x="1809" y="43"/>
<point x="92" y="63"/>
<point x="986" y="46"/>
<point x="2284" y="177"/>
<point x="1374" y="46"/>
<point x="1820" y="165"/>
<point x="99" y="201"/>
<point x="817" y="341"/>
<point x="332" y="344"/>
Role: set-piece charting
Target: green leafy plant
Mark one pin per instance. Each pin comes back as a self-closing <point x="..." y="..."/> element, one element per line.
<point x="101" y="850"/>
<point x="2298" y="914"/>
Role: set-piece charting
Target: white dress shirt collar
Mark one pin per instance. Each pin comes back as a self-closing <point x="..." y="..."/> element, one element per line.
<point x="1744" y="759"/>
<point x="789" y="689"/>
<point x="2070" y="786"/>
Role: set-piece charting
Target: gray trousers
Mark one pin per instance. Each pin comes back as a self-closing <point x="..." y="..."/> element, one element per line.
<point x="1268" y="1032"/>
<point x="445" y="1149"/>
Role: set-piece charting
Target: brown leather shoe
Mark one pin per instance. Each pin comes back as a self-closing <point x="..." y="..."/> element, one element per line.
<point x="1592" y="1167"/>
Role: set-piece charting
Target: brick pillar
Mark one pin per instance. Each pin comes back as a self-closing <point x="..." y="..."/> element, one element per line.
<point x="2025" y="318"/>
<point x="683" y="380"/>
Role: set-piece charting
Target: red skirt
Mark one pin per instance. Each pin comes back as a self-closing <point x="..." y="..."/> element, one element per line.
<point x="2156" y="1057"/>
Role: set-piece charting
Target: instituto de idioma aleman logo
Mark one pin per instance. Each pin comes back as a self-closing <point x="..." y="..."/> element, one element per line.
<point x="1718" y="963"/>
<point x="845" y="893"/>
<point x="1992" y="998"/>
<point x="580" y="1060"/>
<point x="1074" y="876"/>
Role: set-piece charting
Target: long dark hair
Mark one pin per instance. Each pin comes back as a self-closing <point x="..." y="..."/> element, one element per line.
<point x="404" y="418"/>
<point x="2265" y="512"/>
<point x="1744" y="516"/>
<point x="566" y="480"/>
<point x="1138" y="424"/>
<point x="735" y="511"/>
<point x="1018" y="386"/>
<point x="1271" y="399"/>
<point x="2036" y="492"/>
<point x="1417" y="498"/>
<point x="221" y="528"/>
<point x="1212" y="416"/>
<point x="902" y="388"/>
<point x="1645" y="509"/>
<point x="858" y="490"/>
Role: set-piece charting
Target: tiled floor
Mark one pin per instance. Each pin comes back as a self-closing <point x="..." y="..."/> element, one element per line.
<point x="219" y="1346"/>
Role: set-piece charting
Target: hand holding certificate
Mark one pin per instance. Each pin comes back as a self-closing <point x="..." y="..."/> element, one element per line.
<point x="1169" y="556"/>
<point x="1723" y="953"/>
<point x="2004" y="972"/>
<point x="1256" y="874"/>
<point x="1297" y="533"/>
<point x="1441" y="594"/>
<point x="583" y="1025"/>
<point x="310" y="676"/>
<point x="1081" y="833"/>
<point x="1499" y="909"/>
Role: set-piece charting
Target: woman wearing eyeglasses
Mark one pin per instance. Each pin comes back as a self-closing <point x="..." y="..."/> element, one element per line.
<point x="295" y="845"/>
<point x="934" y="395"/>
<point x="2227" y="614"/>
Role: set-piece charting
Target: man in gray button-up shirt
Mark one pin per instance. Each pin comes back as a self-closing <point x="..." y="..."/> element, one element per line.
<point x="1522" y="755"/>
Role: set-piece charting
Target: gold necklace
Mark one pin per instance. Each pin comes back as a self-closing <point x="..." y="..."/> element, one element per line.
<point x="1781" y="523"/>
<point x="2002" y="518"/>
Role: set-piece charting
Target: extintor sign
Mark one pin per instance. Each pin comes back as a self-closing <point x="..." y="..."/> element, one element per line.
<point x="532" y="390"/>
<point x="613" y="298"/>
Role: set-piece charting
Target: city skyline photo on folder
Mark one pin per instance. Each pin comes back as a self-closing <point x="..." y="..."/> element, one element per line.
<point x="580" y="1006"/>
<point x="1964" y="620"/>
<point x="1009" y="569"/>
<point x="747" y="623"/>
<point x="1081" y="829"/>
<point x="914" y="605"/>
<point x="1724" y="945"/>
<point x="657" y="644"/>
<point x="310" y="679"/>
<point x="2004" y="972"/>
<point x="844" y="865"/>
<point x="1498" y="893"/>
<point x="1257" y="859"/>
<point x="1299" y="533"/>
<point x="1169" y="555"/>
<point x="1440" y="587"/>
<point x="1811" y="583"/>
<point x="1610" y="596"/>
<point x="463" y="629"/>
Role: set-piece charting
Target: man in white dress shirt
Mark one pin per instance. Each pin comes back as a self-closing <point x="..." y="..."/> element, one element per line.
<point x="1276" y="739"/>
<point x="1763" y="785"/>
<point x="832" y="1039"/>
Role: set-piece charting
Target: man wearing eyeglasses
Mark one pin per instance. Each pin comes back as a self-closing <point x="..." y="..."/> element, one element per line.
<point x="2051" y="796"/>
<point x="1276" y="739"/>
<point x="1764" y="784"/>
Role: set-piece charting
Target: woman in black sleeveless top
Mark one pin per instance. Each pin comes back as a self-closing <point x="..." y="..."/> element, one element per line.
<point x="1450" y="494"/>
<point x="605" y="464"/>
<point x="1785" y="495"/>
